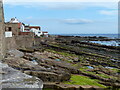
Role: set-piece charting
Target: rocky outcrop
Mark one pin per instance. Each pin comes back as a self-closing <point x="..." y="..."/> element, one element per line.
<point x="61" y="86"/>
<point x="40" y="69"/>
<point x="49" y="76"/>
<point x="12" y="78"/>
<point x="14" y="53"/>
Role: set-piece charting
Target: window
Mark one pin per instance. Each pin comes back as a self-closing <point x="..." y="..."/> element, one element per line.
<point x="9" y="29"/>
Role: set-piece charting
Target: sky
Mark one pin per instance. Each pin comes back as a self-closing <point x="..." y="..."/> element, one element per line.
<point x="66" y="17"/>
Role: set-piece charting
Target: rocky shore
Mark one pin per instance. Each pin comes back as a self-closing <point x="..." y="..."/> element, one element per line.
<point x="12" y="78"/>
<point x="68" y="62"/>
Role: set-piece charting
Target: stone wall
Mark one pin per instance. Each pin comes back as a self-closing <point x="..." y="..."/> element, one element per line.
<point x="14" y="28"/>
<point x="24" y="41"/>
<point x="2" y="38"/>
<point x="10" y="43"/>
<point x="21" y="41"/>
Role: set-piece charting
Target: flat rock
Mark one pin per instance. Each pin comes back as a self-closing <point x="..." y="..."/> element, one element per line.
<point x="15" y="53"/>
<point x="15" y="79"/>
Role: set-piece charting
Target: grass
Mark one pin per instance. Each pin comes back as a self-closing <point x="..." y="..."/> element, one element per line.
<point x="83" y="80"/>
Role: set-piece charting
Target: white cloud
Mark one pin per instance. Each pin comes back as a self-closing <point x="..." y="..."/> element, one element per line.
<point x="106" y="12"/>
<point x="8" y="1"/>
<point x="66" y="4"/>
<point x="77" y="21"/>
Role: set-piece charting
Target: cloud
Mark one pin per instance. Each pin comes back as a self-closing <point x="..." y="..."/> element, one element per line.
<point x="58" y="21"/>
<point x="61" y="5"/>
<point x="11" y="1"/>
<point x="110" y="12"/>
<point x="77" y="21"/>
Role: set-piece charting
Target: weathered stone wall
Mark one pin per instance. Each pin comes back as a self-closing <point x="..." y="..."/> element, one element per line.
<point x="21" y="41"/>
<point x="2" y="39"/>
<point x="24" y="41"/>
<point x="10" y="43"/>
<point x="14" y="28"/>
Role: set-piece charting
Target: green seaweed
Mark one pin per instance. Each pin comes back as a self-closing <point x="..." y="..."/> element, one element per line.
<point x="83" y="80"/>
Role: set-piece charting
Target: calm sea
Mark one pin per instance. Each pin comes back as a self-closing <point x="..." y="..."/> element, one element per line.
<point x="104" y="35"/>
<point x="108" y="43"/>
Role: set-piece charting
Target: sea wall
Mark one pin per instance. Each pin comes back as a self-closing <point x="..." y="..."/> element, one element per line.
<point x="21" y="41"/>
<point x="24" y="41"/>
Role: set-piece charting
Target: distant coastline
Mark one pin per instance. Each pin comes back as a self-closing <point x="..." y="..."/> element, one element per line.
<point x="103" y="35"/>
<point x="109" y="36"/>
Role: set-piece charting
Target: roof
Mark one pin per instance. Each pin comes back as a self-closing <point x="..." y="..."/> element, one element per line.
<point x="45" y="32"/>
<point x="34" y="27"/>
<point x="14" y="20"/>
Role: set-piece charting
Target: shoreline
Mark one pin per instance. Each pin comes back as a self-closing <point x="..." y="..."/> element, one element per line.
<point x="63" y="60"/>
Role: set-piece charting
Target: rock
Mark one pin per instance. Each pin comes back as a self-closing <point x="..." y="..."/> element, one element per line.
<point x="23" y="64"/>
<point x="49" y="76"/>
<point x="67" y="67"/>
<point x="28" y="50"/>
<point x="15" y="53"/>
<point x="15" y="79"/>
<point x="65" y="77"/>
<point x="86" y="87"/>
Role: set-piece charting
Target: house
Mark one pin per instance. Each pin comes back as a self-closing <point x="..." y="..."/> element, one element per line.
<point x="12" y="28"/>
<point x="26" y="28"/>
<point x="14" y="20"/>
<point x="45" y="34"/>
<point x="37" y="30"/>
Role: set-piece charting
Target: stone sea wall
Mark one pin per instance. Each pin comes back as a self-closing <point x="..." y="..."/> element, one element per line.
<point x="21" y="41"/>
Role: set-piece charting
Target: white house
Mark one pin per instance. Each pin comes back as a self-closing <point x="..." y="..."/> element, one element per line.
<point x="23" y="28"/>
<point x="45" y="34"/>
<point x="36" y="30"/>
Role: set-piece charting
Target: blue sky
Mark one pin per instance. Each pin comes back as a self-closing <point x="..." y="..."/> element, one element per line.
<point x="67" y="17"/>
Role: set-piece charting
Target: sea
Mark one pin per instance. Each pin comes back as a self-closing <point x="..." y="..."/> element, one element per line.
<point x="108" y="43"/>
<point x="104" y="35"/>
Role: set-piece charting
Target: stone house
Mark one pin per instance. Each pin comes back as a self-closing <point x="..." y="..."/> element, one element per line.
<point x="12" y="28"/>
